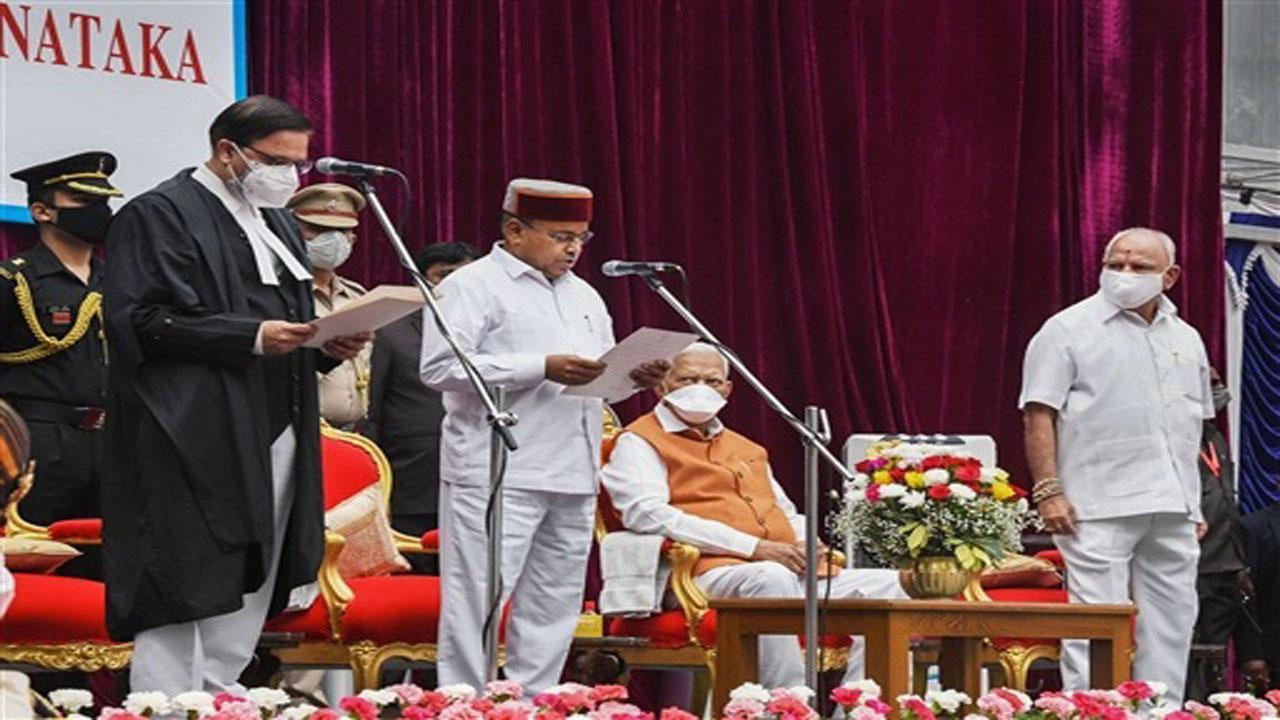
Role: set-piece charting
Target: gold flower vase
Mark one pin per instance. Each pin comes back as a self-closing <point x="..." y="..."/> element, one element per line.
<point x="933" y="577"/>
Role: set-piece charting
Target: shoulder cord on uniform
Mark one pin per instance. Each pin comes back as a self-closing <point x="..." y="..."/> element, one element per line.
<point x="90" y="308"/>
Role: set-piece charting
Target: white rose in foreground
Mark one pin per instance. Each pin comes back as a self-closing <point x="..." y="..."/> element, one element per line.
<point x="989" y="475"/>
<point x="892" y="491"/>
<point x="459" y="691"/>
<point x="381" y="698"/>
<point x="867" y="687"/>
<point x="750" y="691"/>
<point x="936" y="476"/>
<point x="949" y="700"/>
<point x="142" y="703"/>
<point x="301" y="712"/>
<point x="71" y="699"/>
<point x="961" y="492"/>
<point x="194" y="701"/>
<point x="267" y="698"/>
<point x="859" y="482"/>
<point x="911" y="500"/>
<point x="801" y="692"/>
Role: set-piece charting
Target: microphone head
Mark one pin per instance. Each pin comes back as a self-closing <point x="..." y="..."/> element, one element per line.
<point x="612" y="268"/>
<point x="328" y="165"/>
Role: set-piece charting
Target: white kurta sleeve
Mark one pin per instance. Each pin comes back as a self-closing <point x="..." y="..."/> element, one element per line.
<point x="787" y="507"/>
<point x="6" y="587"/>
<point x="636" y="479"/>
<point x="466" y="312"/>
<point x="1047" y="370"/>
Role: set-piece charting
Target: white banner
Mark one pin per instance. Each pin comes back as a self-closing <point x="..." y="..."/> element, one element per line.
<point x="142" y="79"/>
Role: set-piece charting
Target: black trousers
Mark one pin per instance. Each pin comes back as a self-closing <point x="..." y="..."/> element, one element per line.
<point x="68" y="464"/>
<point x="1221" y="610"/>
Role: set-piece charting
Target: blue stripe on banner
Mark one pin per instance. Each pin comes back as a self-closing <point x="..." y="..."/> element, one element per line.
<point x="239" y="26"/>
<point x="15" y="214"/>
<point x="1260" y="394"/>
<point x="1255" y="219"/>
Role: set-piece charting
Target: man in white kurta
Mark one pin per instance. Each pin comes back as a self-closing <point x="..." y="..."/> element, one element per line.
<point x="1114" y="392"/>
<point x="640" y="478"/>
<point x="531" y="326"/>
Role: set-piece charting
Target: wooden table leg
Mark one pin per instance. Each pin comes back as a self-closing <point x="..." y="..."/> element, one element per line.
<point x="961" y="661"/>
<point x="890" y="646"/>
<point x="736" y="658"/>
<point x="1109" y="658"/>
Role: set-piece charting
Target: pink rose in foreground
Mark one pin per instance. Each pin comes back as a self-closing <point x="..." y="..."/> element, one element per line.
<point x="846" y="696"/>
<point x="510" y="710"/>
<point x="879" y="706"/>
<point x="223" y="698"/>
<point x="1056" y="705"/>
<point x="111" y="713"/>
<point x="605" y="693"/>
<point x="790" y="707"/>
<point x="415" y="712"/>
<point x="866" y="712"/>
<point x="1201" y="711"/>
<point x="504" y="690"/>
<point x="327" y="714"/>
<point x="1273" y="697"/>
<point x="996" y="707"/>
<point x="459" y="711"/>
<point x="677" y="714"/>
<point x="743" y="709"/>
<point x="1135" y="690"/>
<point x="361" y="708"/>
<point x="408" y="693"/>
<point x="913" y="706"/>
<point x="434" y="701"/>
<point x="241" y="710"/>
<point x="1179" y="715"/>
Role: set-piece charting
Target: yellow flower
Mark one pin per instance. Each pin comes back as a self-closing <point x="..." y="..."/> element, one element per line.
<point x="882" y="477"/>
<point x="1001" y="491"/>
<point x="915" y="479"/>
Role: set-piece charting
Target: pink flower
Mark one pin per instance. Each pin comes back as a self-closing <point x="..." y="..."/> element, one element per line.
<point x="1238" y="707"/>
<point x="604" y="693"/>
<point x="873" y="492"/>
<point x="789" y="707"/>
<point x="1112" y="712"/>
<point x="1135" y="690"/>
<point x="1179" y="715"/>
<point x="482" y="705"/>
<point x="458" y="711"/>
<point x="914" y="707"/>
<point x="1200" y="711"/>
<point x="846" y="696"/>
<point x="1273" y="697"/>
<point x="1017" y="700"/>
<point x="676" y="714"/>
<point x="328" y="714"/>
<point x="743" y="709"/>
<point x="510" y="710"/>
<point x="408" y="693"/>
<point x="866" y="712"/>
<point x="504" y="690"/>
<point x="995" y="706"/>
<point x="223" y="698"/>
<point x="240" y="710"/>
<point x="619" y="711"/>
<point x="110" y="713"/>
<point x="413" y="712"/>
<point x="361" y="708"/>
<point x="880" y="706"/>
<point x="1056" y="705"/>
<point x="433" y="701"/>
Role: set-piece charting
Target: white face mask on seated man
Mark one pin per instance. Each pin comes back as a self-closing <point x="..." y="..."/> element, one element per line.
<point x="695" y="404"/>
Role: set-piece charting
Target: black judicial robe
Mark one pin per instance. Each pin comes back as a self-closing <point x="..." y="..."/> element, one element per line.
<point x="187" y="490"/>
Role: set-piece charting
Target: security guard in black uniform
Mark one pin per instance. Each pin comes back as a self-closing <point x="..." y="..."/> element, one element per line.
<point x="53" y="351"/>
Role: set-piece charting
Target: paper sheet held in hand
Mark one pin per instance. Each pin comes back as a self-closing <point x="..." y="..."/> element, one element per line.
<point x="644" y="345"/>
<point x="380" y="306"/>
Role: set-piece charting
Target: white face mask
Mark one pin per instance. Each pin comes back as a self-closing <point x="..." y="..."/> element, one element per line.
<point x="266" y="185"/>
<point x="695" y="404"/>
<point x="329" y="249"/>
<point x="1130" y="290"/>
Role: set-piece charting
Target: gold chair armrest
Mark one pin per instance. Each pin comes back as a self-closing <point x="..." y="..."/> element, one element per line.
<point x="408" y="544"/>
<point x="692" y="601"/>
<point x="838" y="558"/>
<point x="15" y="525"/>
<point x="335" y="591"/>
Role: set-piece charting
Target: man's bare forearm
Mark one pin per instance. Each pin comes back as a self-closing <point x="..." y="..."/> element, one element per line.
<point x="1040" y="435"/>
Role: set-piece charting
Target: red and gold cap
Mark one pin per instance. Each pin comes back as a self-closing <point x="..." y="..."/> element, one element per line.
<point x="533" y="199"/>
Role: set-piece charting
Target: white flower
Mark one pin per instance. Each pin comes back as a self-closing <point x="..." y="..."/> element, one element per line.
<point x="912" y="499"/>
<point x="949" y="700"/>
<point x="195" y="701"/>
<point x="892" y="491"/>
<point x="801" y="692"/>
<point x="78" y="716"/>
<point x="301" y="712"/>
<point x="962" y="492"/>
<point x="578" y="716"/>
<point x="71" y="699"/>
<point x="139" y="703"/>
<point x="750" y="691"/>
<point x="1157" y="688"/>
<point x="1160" y="711"/>
<point x="859" y="482"/>
<point x="1022" y="505"/>
<point x="569" y="687"/>
<point x="267" y="698"/>
<point x="989" y="475"/>
<point x="868" y="687"/>
<point x="855" y="496"/>
<point x="381" y="698"/>
<point x="936" y="476"/>
<point x="975" y="716"/>
<point x="460" y="691"/>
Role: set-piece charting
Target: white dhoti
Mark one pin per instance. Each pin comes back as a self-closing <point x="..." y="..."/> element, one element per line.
<point x="781" y="661"/>
<point x="210" y="654"/>
<point x="1150" y="560"/>
<point x="546" y="540"/>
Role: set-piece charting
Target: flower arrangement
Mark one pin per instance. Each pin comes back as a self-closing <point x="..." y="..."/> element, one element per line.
<point x="911" y="500"/>
<point x="503" y="700"/>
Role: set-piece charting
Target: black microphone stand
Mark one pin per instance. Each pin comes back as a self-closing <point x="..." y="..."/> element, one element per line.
<point x="814" y="432"/>
<point x="501" y="440"/>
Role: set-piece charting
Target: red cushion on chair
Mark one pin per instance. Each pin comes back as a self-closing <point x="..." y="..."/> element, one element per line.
<point x="431" y="540"/>
<point x="666" y="629"/>
<point x="312" y="623"/>
<point x="77" y="529"/>
<point x="348" y="468"/>
<point x="1053" y="556"/>
<point x="403" y="608"/>
<point x="1014" y="594"/>
<point x="48" y="609"/>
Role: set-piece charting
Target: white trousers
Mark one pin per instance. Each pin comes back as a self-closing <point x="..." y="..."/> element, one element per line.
<point x="1147" y="559"/>
<point x="781" y="660"/>
<point x="209" y="654"/>
<point x="15" y="696"/>
<point x="546" y="539"/>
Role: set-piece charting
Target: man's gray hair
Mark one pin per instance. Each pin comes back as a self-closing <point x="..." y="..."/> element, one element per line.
<point x="1165" y="240"/>
<point x="706" y="349"/>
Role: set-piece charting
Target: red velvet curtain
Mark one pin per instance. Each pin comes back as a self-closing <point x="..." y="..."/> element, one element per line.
<point x="877" y="202"/>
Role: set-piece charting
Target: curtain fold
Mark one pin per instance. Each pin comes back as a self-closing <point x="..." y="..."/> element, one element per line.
<point x="877" y="202"/>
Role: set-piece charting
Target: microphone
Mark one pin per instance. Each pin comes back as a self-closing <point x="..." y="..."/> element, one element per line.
<point x="622" y="268"/>
<point x="334" y="166"/>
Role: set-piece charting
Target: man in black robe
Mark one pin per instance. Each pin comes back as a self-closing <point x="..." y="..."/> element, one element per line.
<point x="212" y="502"/>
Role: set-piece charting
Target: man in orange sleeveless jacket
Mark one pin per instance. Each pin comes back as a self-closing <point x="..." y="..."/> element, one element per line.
<point x="680" y="473"/>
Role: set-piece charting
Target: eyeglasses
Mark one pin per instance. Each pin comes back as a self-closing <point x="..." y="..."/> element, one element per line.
<point x="564" y="237"/>
<point x="302" y="166"/>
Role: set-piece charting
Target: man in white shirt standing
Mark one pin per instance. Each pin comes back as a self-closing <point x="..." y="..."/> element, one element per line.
<point x="680" y="473"/>
<point x="531" y="326"/>
<point x="1115" y="389"/>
